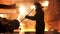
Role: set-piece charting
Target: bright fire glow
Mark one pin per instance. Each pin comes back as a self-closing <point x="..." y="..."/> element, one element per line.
<point x="22" y="10"/>
<point x="22" y="26"/>
<point x="30" y="30"/>
<point x="33" y="6"/>
<point x="45" y="3"/>
<point x="2" y="15"/>
<point x="46" y="29"/>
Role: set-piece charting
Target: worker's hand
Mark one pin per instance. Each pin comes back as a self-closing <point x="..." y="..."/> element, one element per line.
<point x="26" y="16"/>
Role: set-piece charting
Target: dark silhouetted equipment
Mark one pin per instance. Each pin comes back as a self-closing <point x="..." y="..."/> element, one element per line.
<point x="9" y="25"/>
<point x="12" y="24"/>
<point x="3" y="6"/>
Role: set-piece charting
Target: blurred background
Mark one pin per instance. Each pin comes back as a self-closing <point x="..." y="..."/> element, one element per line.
<point x="23" y="7"/>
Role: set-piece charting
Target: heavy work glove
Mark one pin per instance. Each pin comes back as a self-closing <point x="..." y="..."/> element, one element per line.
<point x="26" y="16"/>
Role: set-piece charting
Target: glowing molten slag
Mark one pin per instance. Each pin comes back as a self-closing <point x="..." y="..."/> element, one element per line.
<point x="46" y="29"/>
<point x="45" y="3"/>
<point x="2" y="15"/>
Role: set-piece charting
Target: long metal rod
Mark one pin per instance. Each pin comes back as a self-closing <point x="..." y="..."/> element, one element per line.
<point x="27" y="14"/>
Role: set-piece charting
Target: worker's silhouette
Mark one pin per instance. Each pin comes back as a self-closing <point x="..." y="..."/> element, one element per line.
<point x="39" y="17"/>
